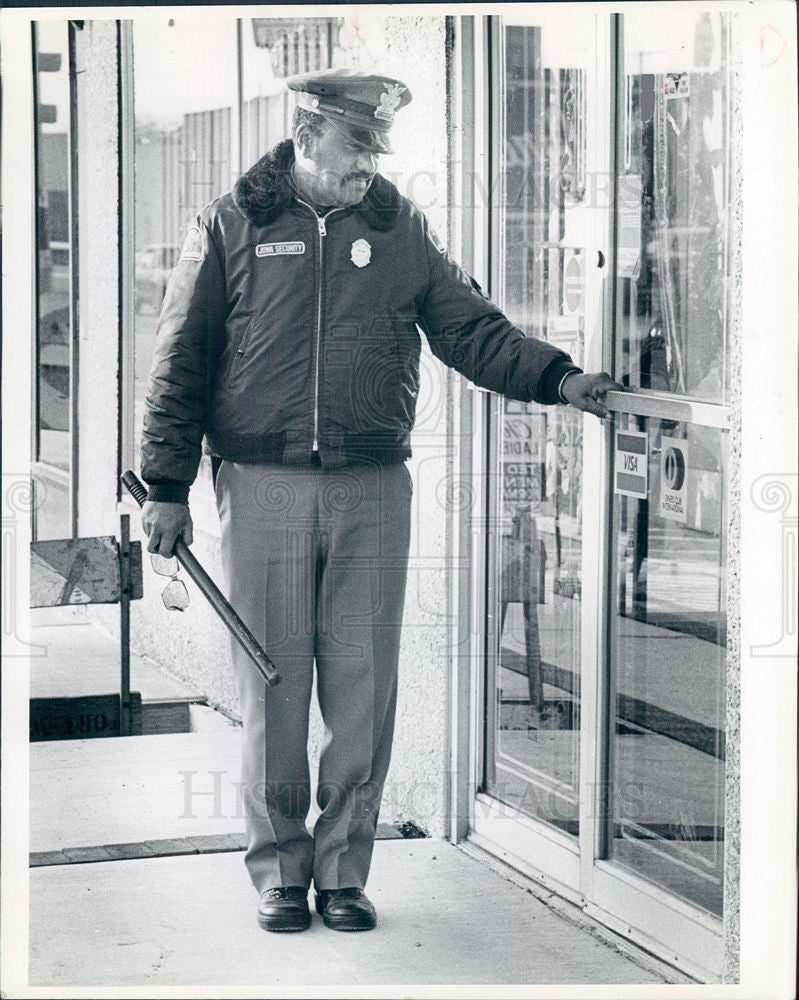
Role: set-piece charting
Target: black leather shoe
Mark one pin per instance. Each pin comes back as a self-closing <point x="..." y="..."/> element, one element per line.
<point x="284" y="909"/>
<point x="345" y="909"/>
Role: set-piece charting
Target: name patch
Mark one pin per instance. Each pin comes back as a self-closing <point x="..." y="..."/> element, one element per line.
<point x="274" y="249"/>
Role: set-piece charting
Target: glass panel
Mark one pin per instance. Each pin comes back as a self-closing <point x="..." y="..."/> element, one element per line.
<point x="675" y="205"/>
<point x="667" y="670"/>
<point x="184" y="148"/>
<point x="53" y="282"/>
<point x="534" y="717"/>
<point x="272" y="49"/>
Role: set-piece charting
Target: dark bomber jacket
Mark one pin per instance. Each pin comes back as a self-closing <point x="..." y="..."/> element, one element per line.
<point x="285" y="333"/>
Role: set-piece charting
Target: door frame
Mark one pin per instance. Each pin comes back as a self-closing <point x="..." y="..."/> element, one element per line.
<point x="665" y="925"/>
<point x="519" y="838"/>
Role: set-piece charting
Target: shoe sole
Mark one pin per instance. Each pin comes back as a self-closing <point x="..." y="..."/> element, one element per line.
<point x="345" y="925"/>
<point x="268" y="925"/>
<point x="361" y="923"/>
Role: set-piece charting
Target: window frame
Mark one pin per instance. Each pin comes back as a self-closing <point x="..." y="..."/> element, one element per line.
<point x="42" y="470"/>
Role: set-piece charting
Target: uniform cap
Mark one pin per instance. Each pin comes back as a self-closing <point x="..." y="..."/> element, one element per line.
<point x="362" y="105"/>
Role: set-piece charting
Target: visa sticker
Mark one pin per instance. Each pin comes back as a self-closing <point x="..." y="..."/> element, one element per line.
<point x="632" y="464"/>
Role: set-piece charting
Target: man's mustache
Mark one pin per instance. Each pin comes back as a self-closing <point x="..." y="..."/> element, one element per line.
<point x="357" y="175"/>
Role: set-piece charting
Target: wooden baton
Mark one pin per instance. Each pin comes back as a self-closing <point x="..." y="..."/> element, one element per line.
<point x="213" y="594"/>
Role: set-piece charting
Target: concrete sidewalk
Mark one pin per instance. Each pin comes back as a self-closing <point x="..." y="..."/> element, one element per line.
<point x="80" y="658"/>
<point x="89" y="795"/>
<point x="443" y="918"/>
<point x="188" y="919"/>
<point x="90" y="792"/>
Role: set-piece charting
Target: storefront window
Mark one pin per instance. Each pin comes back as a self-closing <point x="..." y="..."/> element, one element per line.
<point x="54" y="341"/>
<point x="272" y="49"/>
<point x="185" y="156"/>
<point x="534" y="717"/>
<point x="674" y="263"/>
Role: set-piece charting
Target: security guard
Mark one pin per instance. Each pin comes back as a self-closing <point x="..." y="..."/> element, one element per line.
<point x="289" y="339"/>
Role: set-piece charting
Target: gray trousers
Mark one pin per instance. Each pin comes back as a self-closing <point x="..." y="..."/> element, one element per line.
<point x="315" y="563"/>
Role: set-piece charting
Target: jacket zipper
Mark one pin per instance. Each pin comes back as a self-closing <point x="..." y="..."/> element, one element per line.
<point x="320" y="224"/>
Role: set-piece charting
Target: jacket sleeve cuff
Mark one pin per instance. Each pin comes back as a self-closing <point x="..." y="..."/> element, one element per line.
<point x="548" y="388"/>
<point x="562" y="382"/>
<point x="169" y="491"/>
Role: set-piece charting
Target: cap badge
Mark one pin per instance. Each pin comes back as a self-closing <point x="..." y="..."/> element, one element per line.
<point x="308" y="101"/>
<point x="390" y="101"/>
<point x="361" y="253"/>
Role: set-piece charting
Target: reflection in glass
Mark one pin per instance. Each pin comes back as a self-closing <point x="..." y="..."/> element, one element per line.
<point x="272" y="49"/>
<point x="182" y="153"/>
<point x="53" y="283"/>
<point x="185" y="155"/>
<point x="187" y="149"/>
<point x="534" y="718"/>
<point x="668" y="635"/>
<point x="674" y="205"/>
<point x="668" y="654"/>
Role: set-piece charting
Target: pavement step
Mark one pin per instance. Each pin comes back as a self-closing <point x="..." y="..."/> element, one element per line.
<point x="215" y="843"/>
<point x="80" y="658"/>
<point x="443" y="918"/>
<point x="85" y="793"/>
<point x="165" y="716"/>
<point x="98" y="716"/>
<point x="95" y="794"/>
<point x="165" y="847"/>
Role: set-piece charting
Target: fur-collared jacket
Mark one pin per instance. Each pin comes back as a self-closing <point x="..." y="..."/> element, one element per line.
<point x="286" y="333"/>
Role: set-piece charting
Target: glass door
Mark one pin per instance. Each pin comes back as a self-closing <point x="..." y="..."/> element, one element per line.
<point x="603" y="751"/>
<point x="544" y="203"/>
<point x="667" y="635"/>
<point x="661" y="837"/>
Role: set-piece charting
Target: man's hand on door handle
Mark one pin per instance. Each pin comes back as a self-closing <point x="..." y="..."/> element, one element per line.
<point x="587" y="391"/>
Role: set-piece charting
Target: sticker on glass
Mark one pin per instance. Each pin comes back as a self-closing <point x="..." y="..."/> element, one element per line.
<point x="673" y="479"/>
<point x="676" y="85"/>
<point x="628" y="253"/>
<point x="631" y="477"/>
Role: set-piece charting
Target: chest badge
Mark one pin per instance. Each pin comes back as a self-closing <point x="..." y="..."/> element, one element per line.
<point x="361" y="253"/>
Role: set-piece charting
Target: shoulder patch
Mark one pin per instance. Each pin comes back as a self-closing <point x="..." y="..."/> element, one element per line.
<point x="193" y="245"/>
<point x="434" y="239"/>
